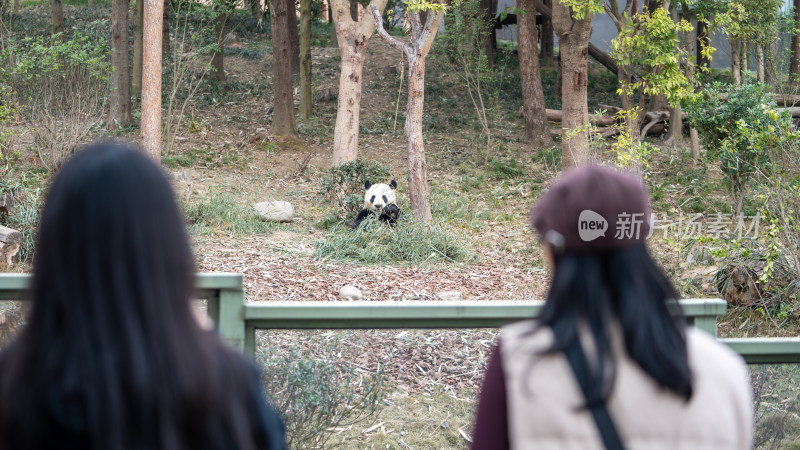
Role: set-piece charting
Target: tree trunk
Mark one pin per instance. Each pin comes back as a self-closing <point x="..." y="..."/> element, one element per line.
<point x="675" y="130"/>
<point x="136" y="82"/>
<point x="16" y="7"/>
<point x="623" y="74"/>
<point x="628" y="104"/>
<point x="488" y="42"/>
<point x="165" y="45"/>
<point x="744" y="56"/>
<point x="573" y="40"/>
<point x="120" y="114"/>
<point x="492" y="29"/>
<point x="603" y="58"/>
<point x="794" y="63"/>
<point x="217" y="72"/>
<point x="659" y="103"/>
<point x="333" y="41"/>
<point x="537" y="132"/>
<point x="702" y="42"/>
<point x="770" y="62"/>
<point x="676" y="118"/>
<point x="556" y="115"/>
<point x="345" y="134"/>
<point x="559" y="72"/>
<point x="57" y="16"/>
<point x="416" y="51"/>
<point x="547" y="38"/>
<point x="353" y="38"/>
<point x="600" y="56"/>
<point x="151" y="77"/>
<point x="305" y="59"/>
<point x="417" y="166"/>
<point x="736" y="64"/>
<point x="294" y="37"/>
<point x="760" y="74"/>
<point x="283" y="103"/>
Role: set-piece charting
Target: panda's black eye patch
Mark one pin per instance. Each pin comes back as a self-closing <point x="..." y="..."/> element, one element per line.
<point x="385" y="200"/>
<point x="372" y="200"/>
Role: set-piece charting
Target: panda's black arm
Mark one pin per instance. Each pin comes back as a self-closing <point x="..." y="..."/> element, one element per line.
<point x="360" y="218"/>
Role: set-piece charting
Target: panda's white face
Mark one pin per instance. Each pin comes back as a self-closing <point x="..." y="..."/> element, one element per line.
<point x="379" y="195"/>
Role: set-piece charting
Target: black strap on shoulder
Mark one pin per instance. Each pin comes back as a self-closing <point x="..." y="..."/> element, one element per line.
<point x="580" y="367"/>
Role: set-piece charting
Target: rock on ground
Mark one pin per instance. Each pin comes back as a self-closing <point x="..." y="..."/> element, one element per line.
<point x="277" y="211"/>
<point x="448" y="296"/>
<point x="350" y="293"/>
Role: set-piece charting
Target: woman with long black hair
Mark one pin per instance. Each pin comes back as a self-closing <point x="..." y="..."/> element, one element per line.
<point x="611" y="362"/>
<point x="112" y="357"/>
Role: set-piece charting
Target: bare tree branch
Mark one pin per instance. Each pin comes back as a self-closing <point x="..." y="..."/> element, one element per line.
<point x="365" y="25"/>
<point x="612" y="9"/>
<point x="413" y="17"/>
<point x="396" y="43"/>
<point x="429" y="30"/>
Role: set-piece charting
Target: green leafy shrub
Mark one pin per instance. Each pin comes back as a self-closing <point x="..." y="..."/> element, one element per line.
<point x="650" y="41"/>
<point x="8" y="112"/>
<point x="631" y="153"/>
<point x="61" y="85"/>
<point x="778" y="190"/>
<point x="410" y="241"/>
<point x="770" y="266"/>
<point x="343" y="185"/>
<point x="315" y="396"/>
<point x="731" y="121"/>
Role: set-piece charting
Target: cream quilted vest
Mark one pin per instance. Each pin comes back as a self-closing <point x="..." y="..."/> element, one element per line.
<point x="544" y="399"/>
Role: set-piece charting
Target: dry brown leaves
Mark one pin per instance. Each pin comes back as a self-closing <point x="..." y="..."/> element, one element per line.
<point x="285" y="270"/>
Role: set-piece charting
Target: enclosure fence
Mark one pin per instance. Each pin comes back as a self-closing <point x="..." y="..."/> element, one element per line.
<point x="238" y="321"/>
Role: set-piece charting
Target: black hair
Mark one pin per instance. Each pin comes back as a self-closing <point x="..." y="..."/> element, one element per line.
<point x="112" y="356"/>
<point x="624" y="285"/>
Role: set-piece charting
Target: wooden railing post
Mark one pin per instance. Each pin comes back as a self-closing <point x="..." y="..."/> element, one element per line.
<point x="703" y="312"/>
<point x="231" y="324"/>
<point x="250" y="340"/>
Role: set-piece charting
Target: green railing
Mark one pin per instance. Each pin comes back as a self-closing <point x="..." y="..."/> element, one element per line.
<point x="237" y="321"/>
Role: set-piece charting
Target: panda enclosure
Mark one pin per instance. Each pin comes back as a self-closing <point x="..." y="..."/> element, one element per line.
<point x="224" y="159"/>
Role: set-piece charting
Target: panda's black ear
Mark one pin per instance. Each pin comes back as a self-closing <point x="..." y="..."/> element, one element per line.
<point x="367" y="184"/>
<point x="393" y="184"/>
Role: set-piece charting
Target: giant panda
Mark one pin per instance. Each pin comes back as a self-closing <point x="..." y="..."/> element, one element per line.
<point x="379" y="198"/>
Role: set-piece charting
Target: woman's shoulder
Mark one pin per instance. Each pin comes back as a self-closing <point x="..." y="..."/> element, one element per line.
<point x="528" y="336"/>
<point x="705" y="349"/>
<point x="715" y="365"/>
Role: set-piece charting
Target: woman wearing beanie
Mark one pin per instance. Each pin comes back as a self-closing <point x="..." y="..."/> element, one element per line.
<point x="610" y="362"/>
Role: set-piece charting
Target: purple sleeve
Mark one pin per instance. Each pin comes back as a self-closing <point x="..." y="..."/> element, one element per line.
<point x="491" y="424"/>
